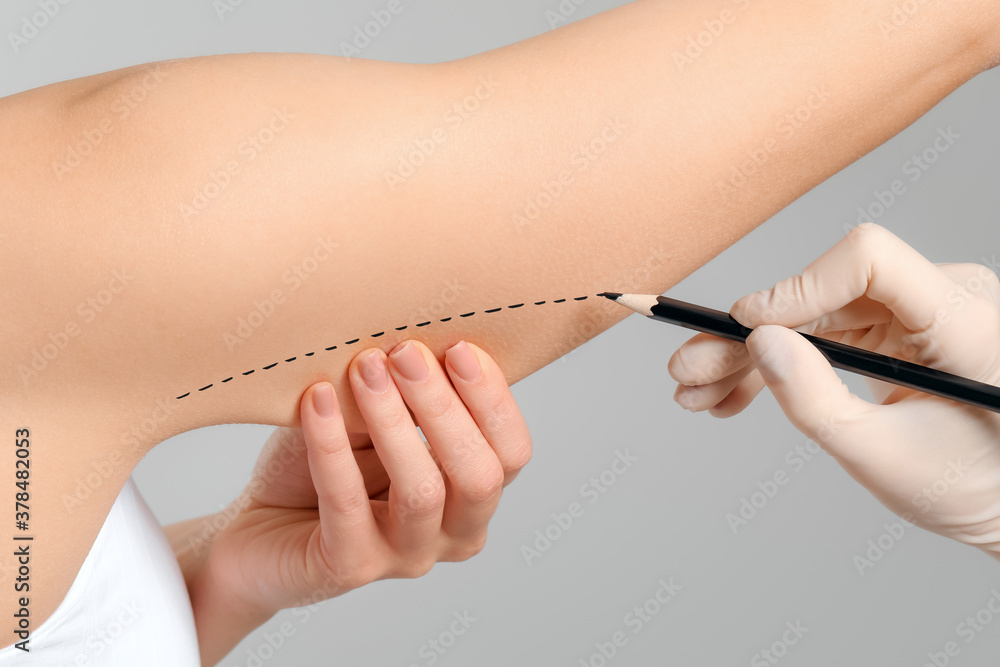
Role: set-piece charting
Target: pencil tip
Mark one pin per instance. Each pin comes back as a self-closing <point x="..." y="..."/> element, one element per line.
<point x="613" y="296"/>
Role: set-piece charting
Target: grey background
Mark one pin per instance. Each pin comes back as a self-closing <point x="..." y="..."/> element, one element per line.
<point x="663" y="518"/>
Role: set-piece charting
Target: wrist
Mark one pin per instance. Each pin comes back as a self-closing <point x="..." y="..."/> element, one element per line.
<point x="223" y="615"/>
<point x="219" y="587"/>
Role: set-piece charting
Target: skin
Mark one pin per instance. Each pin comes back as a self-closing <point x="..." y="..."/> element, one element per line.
<point x="656" y="195"/>
<point x="328" y="511"/>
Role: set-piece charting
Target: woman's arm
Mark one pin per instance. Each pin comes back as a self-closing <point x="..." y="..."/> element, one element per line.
<point x="340" y="199"/>
<point x="255" y="208"/>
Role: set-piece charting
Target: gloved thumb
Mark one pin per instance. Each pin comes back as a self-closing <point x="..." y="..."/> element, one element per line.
<point x="806" y="387"/>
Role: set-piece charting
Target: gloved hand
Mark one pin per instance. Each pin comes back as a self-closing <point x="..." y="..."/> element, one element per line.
<point x="934" y="462"/>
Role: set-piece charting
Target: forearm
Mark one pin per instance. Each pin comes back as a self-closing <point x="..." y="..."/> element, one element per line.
<point x="221" y="622"/>
<point x="191" y="541"/>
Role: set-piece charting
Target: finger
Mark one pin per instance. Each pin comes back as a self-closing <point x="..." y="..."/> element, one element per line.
<point x="809" y="392"/>
<point x="484" y="390"/>
<point x="975" y="278"/>
<point x="705" y="359"/>
<point x="346" y="518"/>
<point x="474" y="477"/>
<point x="862" y="313"/>
<point x="869" y="261"/>
<point x="740" y="397"/>
<point x="702" y="397"/>
<point x="416" y="488"/>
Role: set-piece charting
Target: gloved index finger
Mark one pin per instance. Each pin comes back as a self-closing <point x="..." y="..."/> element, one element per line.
<point x="869" y="261"/>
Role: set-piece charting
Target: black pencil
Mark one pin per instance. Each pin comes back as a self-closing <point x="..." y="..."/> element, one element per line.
<point x="846" y="357"/>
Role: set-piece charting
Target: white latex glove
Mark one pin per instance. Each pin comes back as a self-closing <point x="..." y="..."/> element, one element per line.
<point x="934" y="462"/>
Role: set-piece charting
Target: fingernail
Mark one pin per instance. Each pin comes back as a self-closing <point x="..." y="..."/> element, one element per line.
<point x="410" y="363"/>
<point x="323" y="400"/>
<point x="463" y="360"/>
<point x="373" y="371"/>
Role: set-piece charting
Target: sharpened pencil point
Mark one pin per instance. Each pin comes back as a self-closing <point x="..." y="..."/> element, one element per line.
<point x="613" y="296"/>
<point x="640" y="303"/>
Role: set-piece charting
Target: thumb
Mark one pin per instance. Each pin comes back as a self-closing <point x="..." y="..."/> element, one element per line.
<point x="809" y="392"/>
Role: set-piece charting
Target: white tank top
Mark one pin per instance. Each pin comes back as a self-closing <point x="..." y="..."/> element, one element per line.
<point x="127" y="606"/>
